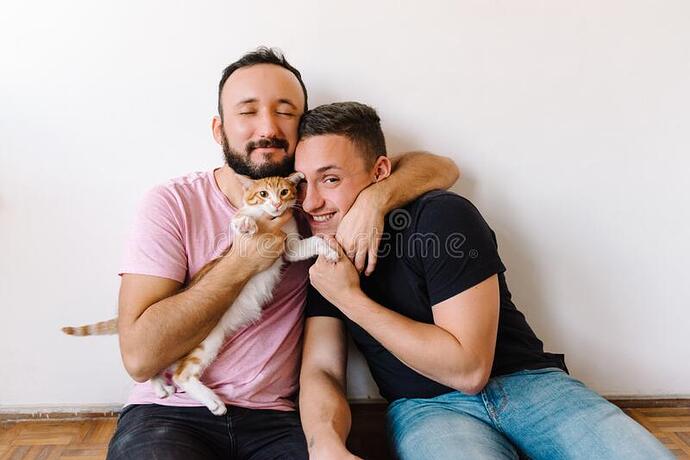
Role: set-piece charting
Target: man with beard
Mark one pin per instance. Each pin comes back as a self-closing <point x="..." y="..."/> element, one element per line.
<point x="181" y="226"/>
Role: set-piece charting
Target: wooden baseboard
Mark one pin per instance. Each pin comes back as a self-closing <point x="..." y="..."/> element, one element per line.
<point x="53" y="413"/>
<point x="361" y="408"/>
<point x="649" y="403"/>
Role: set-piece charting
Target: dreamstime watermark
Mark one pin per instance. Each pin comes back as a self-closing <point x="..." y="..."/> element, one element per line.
<point x="397" y="240"/>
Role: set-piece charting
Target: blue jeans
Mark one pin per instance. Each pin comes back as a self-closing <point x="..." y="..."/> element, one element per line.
<point x="151" y="431"/>
<point x="541" y="414"/>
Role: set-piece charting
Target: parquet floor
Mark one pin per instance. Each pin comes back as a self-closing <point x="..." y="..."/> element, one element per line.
<point x="88" y="439"/>
<point x="50" y="440"/>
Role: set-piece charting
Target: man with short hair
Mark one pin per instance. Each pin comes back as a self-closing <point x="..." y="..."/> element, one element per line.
<point x="185" y="223"/>
<point x="465" y="375"/>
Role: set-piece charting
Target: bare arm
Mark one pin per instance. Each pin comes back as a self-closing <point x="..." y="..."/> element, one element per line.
<point x="457" y="350"/>
<point x="158" y="323"/>
<point x="413" y="174"/>
<point x="324" y="409"/>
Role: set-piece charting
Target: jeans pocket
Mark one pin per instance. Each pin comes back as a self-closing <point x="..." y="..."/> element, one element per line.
<point x="545" y="370"/>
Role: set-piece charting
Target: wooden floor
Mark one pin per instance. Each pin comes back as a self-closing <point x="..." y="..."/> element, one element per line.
<point x="88" y="439"/>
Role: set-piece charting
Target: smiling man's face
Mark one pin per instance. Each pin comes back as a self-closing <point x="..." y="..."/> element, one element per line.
<point x="335" y="173"/>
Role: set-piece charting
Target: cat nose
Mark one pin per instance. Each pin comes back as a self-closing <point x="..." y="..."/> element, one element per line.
<point x="275" y="205"/>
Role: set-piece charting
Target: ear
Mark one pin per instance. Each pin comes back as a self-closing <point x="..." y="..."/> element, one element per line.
<point x="245" y="181"/>
<point x="217" y="128"/>
<point x="295" y="177"/>
<point x="382" y="168"/>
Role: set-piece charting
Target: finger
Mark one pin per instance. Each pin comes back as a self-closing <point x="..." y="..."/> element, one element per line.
<point x="349" y="247"/>
<point x="360" y="258"/>
<point x="312" y="271"/>
<point x="372" y="256"/>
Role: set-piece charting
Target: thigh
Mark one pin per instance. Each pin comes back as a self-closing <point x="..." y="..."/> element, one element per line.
<point x="152" y="431"/>
<point x="549" y="414"/>
<point x="268" y="434"/>
<point x="424" y="429"/>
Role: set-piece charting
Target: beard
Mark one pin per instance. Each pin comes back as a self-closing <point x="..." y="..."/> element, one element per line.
<point x="241" y="164"/>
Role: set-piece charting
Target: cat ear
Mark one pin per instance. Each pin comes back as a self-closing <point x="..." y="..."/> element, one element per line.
<point x="245" y="181"/>
<point x="295" y="177"/>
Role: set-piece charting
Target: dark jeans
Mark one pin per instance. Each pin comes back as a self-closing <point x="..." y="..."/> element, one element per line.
<point x="150" y="431"/>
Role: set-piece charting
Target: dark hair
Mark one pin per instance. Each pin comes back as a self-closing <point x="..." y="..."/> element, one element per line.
<point x="358" y="122"/>
<point x="262" y="55"/>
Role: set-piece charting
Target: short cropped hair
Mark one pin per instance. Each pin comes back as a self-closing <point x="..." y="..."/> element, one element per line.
<point x="353" y="120"/>
<point x="262" y="55"/>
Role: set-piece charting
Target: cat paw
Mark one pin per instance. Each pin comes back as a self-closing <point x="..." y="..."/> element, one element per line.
<point x="331" y="254"/>
<point x="245" y="225"/>
<point x="161" y="388"/>
<point x="217" y="408"/>
<point x="163" y="391"/>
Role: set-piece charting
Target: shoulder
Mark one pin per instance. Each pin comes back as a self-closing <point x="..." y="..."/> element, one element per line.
<point x="188" y="186"/>
<point x="440" y="208"/>
<point x="180" y="192"/>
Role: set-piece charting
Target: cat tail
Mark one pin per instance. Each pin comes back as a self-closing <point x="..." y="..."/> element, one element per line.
<point x="101" y="328"/>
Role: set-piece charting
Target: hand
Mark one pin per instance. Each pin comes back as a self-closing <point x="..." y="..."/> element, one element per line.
<point x="337" y="282"/>
<point x="359" y="232"/>
<point x="259" y="248"/>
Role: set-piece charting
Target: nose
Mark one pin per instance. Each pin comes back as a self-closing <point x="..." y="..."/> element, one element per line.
<point x="268" y="125"/>
<point x="312" y="199"/>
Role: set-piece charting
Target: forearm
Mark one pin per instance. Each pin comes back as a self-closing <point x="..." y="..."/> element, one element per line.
<point x="414" y="174"/>
<point x="324" y="411"/>
<point x="426" y="348"/>
<point x="172" y="327"/>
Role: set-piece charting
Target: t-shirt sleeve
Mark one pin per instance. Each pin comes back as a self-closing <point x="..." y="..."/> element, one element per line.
<point x="318" y="306"/>
<point x="155" y="245"/>
<point x="459" y="248"/>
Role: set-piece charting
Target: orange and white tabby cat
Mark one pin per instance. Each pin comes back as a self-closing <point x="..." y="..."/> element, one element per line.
<point x="273" y="196"/>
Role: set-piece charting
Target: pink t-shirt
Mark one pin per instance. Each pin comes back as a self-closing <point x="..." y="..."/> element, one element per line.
<point x="181" y="226"/>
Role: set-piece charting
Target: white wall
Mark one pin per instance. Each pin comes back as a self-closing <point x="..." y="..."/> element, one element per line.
<point x="569" y="119"/>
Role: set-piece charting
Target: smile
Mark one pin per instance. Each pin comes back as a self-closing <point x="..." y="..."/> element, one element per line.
<point x="323" y="217"/>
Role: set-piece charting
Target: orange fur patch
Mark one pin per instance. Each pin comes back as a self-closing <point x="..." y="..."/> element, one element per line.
<point x="270" y="184"/>
<point x="182" y="371"/>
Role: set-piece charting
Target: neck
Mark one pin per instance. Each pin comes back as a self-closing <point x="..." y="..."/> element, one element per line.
<point x="229" y="184"/>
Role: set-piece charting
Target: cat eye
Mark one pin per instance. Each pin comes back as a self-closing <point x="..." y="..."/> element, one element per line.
<point x="263" y="194"/>
<point x="284" y="192"/>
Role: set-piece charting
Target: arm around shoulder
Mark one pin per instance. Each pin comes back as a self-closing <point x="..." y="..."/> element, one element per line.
<point x="414" y="173"/>
<point x="399" y="180"/>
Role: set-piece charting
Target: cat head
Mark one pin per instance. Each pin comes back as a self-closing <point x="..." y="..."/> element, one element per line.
<point x="273" y="195"/>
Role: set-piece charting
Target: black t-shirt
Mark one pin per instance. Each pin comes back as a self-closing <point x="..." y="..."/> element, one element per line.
<point x="434" y="248"/>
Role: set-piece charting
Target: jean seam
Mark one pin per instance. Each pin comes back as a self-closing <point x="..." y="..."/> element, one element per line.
<point x="504" y="396"/>
<point x="231" y="439"/>
<point x="492" y="410"/>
